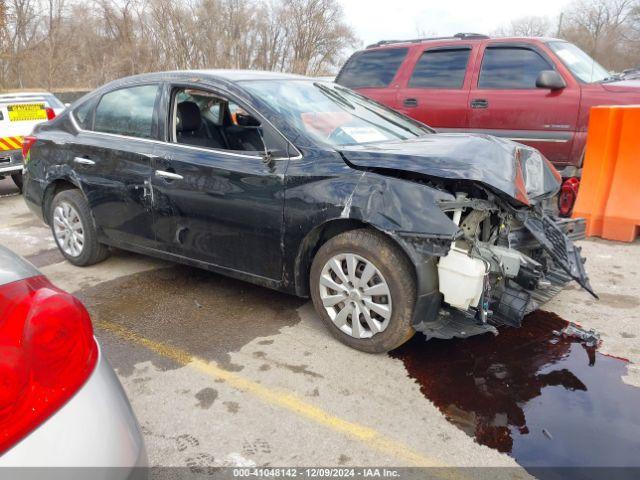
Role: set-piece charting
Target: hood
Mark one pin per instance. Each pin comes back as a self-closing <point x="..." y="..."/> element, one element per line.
<point x="622" y="86"/>
<point x="508" y="167"/>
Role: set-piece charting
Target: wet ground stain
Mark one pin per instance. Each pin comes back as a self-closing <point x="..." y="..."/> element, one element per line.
<point x="205" y="314"/>
<point x="545" y="400"/>
<point x="206" y="397"/>
<point x="45" y="258"/>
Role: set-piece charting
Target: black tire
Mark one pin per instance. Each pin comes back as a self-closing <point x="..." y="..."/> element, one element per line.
<point x="398" y="272"/>
<point x="17" y="179"/>
<point x="92" y="251"/>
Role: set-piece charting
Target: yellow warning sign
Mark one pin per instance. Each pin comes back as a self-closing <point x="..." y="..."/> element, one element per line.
<point x="26" y="111"/>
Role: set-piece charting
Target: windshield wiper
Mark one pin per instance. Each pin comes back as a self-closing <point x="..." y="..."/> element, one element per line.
<point x="334" y="95"/>
<point x="613" y="78"/>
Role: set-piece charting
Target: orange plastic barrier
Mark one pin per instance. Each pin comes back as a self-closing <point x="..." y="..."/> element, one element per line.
<point x="609" y="194"/>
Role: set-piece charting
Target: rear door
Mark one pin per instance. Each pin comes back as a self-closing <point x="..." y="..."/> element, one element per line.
<point x="111" y="155"/>
<point x="437" y="90"/>
<point x="372" y="73"/>
<point x="505" y="102"/>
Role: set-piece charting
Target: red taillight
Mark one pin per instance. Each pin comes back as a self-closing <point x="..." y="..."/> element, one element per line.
<point x="47" y="352"/>
<point x="27" y="143"/>
<point x="51" y="114"/>
<point x="568" y="195"/>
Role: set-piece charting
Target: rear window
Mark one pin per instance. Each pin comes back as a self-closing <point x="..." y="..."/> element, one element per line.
<point x="440" y="69"/>
<point x="511" y="68"/>
<point x="82" y="114"/>
<point x="374" y="68"/>
<point x="128" y="111"/>
<point x="53" y="101"/>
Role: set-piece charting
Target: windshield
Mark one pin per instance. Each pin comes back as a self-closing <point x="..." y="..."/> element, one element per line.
<point x="333" y="114"/>
<point x="583" y="67"/>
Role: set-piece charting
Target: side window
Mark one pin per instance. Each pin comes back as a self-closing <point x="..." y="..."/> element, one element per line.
<point x="440" y="69"/>
<point x="511" y="68"/>
<point x="209" y="120"/>
<point x="82" y="114"/>
<point x="374" y="68"/>
<point x="127" y="111"/>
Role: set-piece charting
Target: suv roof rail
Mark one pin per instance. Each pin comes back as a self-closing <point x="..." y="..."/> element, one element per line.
<point x="461" y="36"/>
<point x="472" y="36"/>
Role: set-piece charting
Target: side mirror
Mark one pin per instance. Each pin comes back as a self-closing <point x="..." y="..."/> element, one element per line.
<point x="246" y="120"/>
<point x="550" y="79"/>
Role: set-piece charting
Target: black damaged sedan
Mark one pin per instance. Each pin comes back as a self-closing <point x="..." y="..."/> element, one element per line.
<point x="307" y="187"/>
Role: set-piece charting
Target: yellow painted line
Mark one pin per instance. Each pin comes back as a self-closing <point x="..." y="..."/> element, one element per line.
<point x="282" y="399"/>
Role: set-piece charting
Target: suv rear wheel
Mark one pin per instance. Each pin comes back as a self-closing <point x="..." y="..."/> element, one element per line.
<point x="73" y="229"/>
<point x="363" y="288"/>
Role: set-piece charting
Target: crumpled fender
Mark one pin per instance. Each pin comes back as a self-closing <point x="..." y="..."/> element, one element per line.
<point x="408" y="212"/>
<point x="405" y="210"/>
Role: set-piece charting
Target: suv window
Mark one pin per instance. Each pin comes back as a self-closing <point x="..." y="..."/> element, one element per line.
<point x="440" y="69"/>
<point x="374" y="68"/>
<point x="511" y="68"/>
<point x="127" y="111"/>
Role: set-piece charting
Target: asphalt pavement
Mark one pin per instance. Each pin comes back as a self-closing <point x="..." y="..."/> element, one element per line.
<point x="224" y="373"/>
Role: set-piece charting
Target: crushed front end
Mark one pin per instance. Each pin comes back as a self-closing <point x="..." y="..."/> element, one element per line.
<point x="506" y="262"/>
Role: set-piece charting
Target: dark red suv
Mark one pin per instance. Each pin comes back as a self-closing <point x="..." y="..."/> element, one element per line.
<point x="537" y="91"/>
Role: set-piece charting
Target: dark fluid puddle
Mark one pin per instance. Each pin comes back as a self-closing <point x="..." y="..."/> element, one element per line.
<point x="545" y="400"/>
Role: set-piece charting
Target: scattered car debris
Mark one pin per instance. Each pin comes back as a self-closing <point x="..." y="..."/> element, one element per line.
<point x="590" y="337"/>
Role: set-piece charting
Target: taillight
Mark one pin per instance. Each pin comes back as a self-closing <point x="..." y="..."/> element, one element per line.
<point x="47" y="352"/>
<point x="27" y="143"/>
<point x="568" y="195"/>
<point x="51" y="114"/>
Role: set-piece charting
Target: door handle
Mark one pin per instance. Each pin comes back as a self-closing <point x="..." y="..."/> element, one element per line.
<point x="479" y="103"/>
<point x="410" y="102"/>
<point x="168" y="175"/>
<point x="84" y="161"/>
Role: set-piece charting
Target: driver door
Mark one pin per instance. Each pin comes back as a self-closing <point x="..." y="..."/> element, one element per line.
<point x="215" y="200"/>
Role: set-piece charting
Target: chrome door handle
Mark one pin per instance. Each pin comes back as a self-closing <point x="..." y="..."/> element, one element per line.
<point x="83" y="161"/>
<point x="168" y="175"/>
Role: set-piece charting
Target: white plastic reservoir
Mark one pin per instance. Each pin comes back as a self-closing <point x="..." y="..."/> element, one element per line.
<point x="461" y="279"/>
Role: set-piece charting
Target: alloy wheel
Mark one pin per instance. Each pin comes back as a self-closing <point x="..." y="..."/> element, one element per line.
<point x="68" y="229"/>
<point x="356" y="295"/>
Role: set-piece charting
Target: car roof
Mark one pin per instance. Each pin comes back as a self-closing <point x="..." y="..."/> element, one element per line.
<point x="213" y="74"/>
<point x="22" y="95"/>
<point x="238" y="75"/>
<point x="459" y="37"/>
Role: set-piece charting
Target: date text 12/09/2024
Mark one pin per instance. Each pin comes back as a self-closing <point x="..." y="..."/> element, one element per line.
<point x="316" y="472"/>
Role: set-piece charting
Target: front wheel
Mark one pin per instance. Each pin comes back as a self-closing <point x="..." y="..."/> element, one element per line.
<point x="73" y="229"/>
<point x="363" y="287"/>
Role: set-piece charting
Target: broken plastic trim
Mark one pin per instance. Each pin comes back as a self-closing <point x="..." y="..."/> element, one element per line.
<point x="558" y="245"/>
<point x="430" y="245"/>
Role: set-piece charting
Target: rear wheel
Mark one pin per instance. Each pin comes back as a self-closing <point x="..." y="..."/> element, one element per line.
<point x="73" y="229"/>
<point x="17" y="179"/>
<point x="363" y="288"/>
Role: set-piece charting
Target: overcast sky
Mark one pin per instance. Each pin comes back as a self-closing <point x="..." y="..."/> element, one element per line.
<point x="375" y="20"/>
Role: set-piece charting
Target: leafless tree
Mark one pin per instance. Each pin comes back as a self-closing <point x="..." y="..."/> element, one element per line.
<point x="84" y="43"/>
<point x="608" y="30"/>
<point x="531" y="26"/>
<point x="605" y="30"/>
